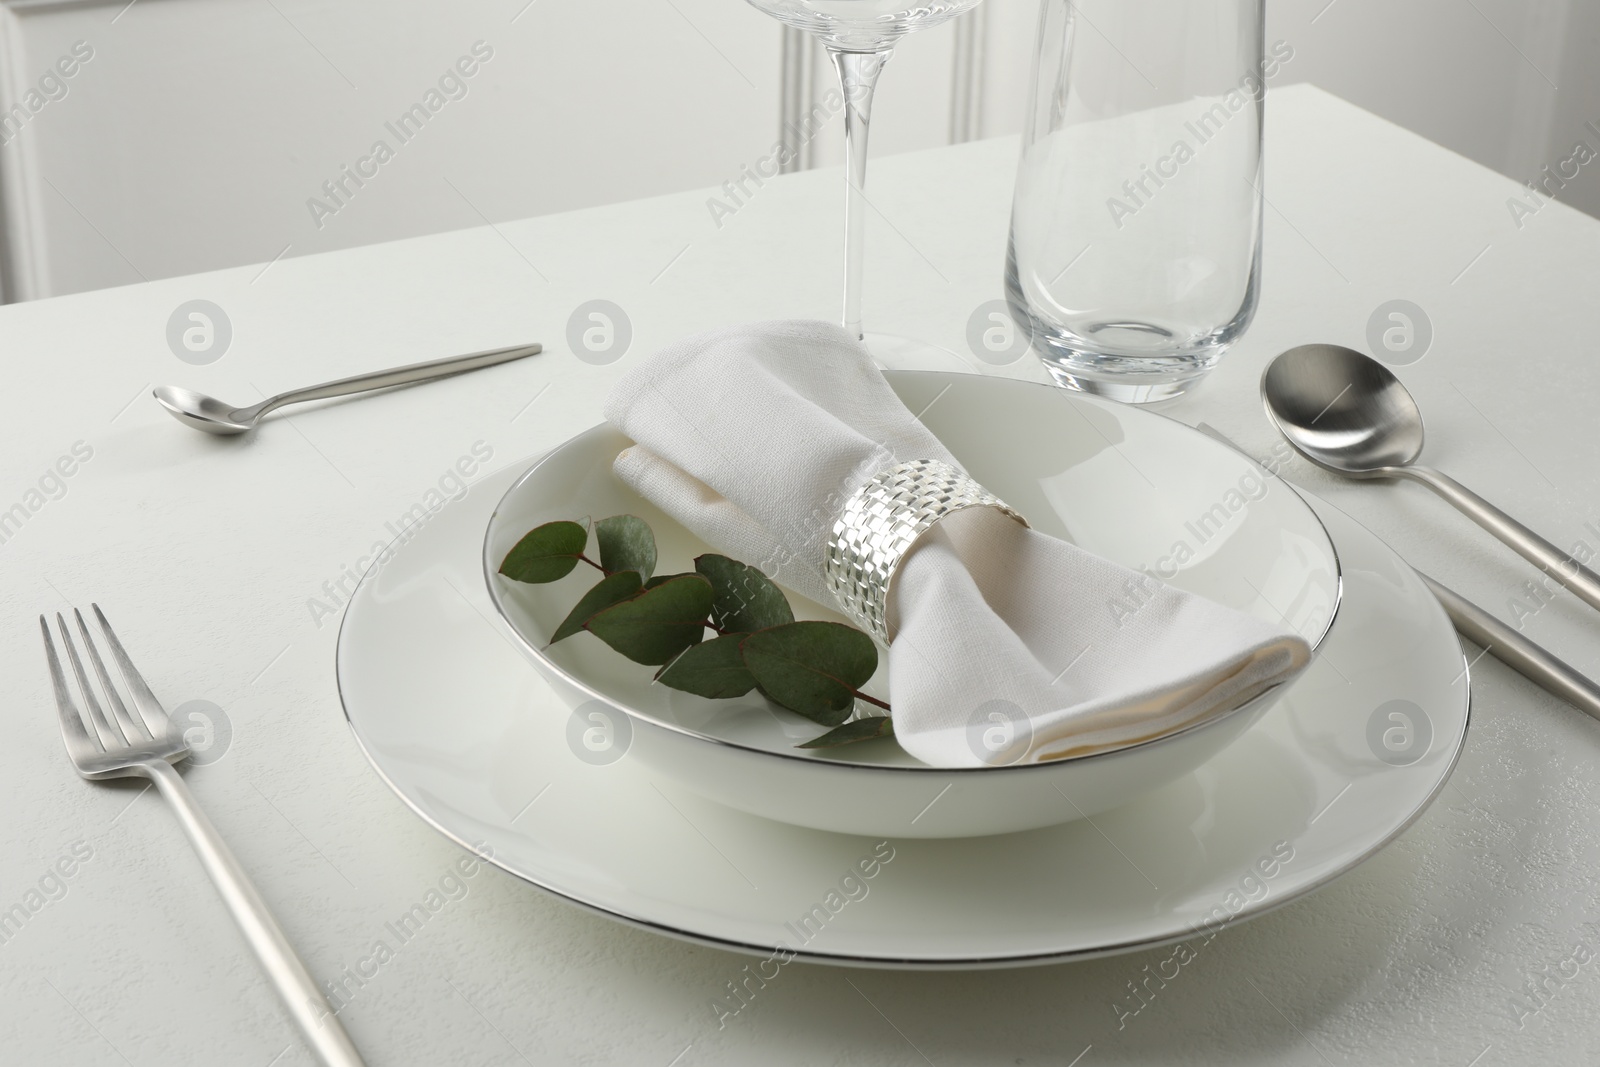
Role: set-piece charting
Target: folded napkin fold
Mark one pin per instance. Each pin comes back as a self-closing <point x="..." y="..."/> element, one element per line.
<point x="754" y="437"/>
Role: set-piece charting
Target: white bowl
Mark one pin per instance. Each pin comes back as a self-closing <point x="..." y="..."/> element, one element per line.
<point x="1130" y="485"/>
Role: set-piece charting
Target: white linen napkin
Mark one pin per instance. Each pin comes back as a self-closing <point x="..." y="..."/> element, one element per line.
<point x="754" y="436"/>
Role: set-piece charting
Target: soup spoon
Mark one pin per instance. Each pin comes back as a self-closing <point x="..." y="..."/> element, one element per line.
<point x="215" y="416"/>
<point x="1349" y="414"/>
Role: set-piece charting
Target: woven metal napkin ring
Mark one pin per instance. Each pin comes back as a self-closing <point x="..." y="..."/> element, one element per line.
<point x="882" y="521"/>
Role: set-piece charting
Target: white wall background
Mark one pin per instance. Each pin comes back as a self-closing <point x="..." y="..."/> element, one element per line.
<point x="195" y="135"/>
<point x="1508" y="83"/>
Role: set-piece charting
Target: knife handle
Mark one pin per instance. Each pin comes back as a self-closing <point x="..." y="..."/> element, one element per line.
<point x="1517" y="652"/>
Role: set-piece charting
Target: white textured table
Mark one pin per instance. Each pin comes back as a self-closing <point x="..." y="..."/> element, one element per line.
<point x="1459" y="945"/>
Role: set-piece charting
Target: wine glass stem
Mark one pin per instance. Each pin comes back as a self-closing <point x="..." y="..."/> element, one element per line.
<point x="858" y="77"/>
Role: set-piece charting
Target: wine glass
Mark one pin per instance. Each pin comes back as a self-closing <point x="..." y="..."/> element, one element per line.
<point x="860" y="36"/>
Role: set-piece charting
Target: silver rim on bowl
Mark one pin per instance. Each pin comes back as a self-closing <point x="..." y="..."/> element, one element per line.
<point x="492" y="583"/>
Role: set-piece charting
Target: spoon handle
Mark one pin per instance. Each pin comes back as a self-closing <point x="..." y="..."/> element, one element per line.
<point x="415" y="372"/>
<point x="1583" y="582"/>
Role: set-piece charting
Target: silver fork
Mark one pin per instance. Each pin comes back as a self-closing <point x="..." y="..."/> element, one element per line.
<point x="146" y="745"/>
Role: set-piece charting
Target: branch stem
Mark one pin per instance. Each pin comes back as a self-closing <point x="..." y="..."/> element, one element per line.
<point x="874" y="701"/>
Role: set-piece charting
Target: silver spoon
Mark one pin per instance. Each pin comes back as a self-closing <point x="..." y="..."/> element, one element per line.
<point x="1495" y="637"/>
<point x="215" y="416"/>
<point x="1347" y="413"/>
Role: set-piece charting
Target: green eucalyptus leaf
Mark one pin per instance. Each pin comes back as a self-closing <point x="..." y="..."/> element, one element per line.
<point x="812" y="668"/>
<point x="660" y="578"/>
<point x="626" y="544"/>
<point x="545" y="553"/>
<point x="612" y="589"/>
<point x="746" y="600"/>
<point x="860" y="730"/>
<point x="714" y="669"/>
<point x="657" y="624"/>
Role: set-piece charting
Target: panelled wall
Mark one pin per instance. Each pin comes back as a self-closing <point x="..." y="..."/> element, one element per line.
<point x="163" y="137"/>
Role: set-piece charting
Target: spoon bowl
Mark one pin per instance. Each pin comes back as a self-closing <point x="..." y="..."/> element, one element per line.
<point x="1343" y="410"/>
<point x="201" y="411"/>
<point x="1347" y="413"/>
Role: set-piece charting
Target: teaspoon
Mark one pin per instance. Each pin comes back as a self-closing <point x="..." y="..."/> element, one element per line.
<point x="215" y="416"/>
<point x="1347" y="413"/>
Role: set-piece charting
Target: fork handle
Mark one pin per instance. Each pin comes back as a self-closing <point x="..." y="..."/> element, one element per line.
<point x="306" y="1004"/>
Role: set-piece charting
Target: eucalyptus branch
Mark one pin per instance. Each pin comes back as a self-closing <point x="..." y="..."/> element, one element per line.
<point x="815" y="669"/>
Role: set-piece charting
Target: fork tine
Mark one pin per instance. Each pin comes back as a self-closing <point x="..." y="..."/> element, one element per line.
<point x="132" y="728"/>
<point x="155" y="716"/>
<point x="110" y="735"/>
<point x="77" y="739"/>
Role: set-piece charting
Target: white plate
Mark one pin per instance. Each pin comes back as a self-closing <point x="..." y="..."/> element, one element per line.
<point x="475" y="742"/>
<point x="1142" y="490"/>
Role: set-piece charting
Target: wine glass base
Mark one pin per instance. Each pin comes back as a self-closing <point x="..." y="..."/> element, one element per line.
<point x="893" y="352"/>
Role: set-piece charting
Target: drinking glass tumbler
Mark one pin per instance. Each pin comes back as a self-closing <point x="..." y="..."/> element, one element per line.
<point x="1135" y="251"/>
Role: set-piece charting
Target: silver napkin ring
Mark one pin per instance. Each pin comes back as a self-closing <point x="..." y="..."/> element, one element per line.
<point x="882" y="521"/>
